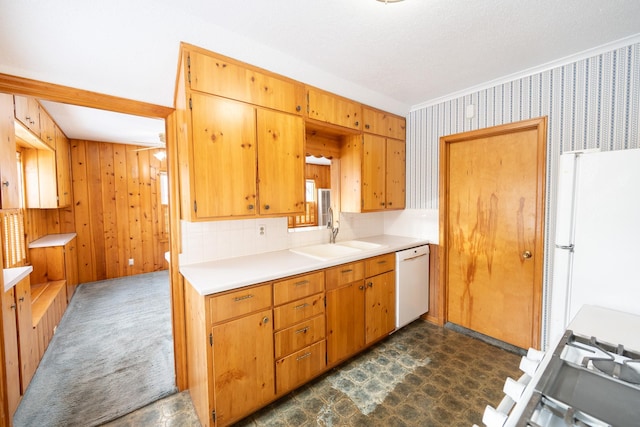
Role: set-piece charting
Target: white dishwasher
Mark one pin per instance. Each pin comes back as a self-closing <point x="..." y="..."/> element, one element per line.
<point x="412" y="284"/>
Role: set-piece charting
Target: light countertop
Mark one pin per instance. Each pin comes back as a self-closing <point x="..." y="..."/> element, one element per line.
<point x="51" y="240"/>
<point x="227" y="274"/>
<point x="12" y="276"/>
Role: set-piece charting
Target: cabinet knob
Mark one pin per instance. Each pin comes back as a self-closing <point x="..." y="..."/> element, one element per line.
<point x="366" y="126"/>
<point x="21" y="299"/>
<point x="381" y="203"/>
<point x="265" y="320"/>
<point x="266" y="207"/>
<point x="357" y="124"/>
<point x="13" y="306"/>
<point x="390" y="203"/>
<point x="370" y="284"/>
<point x="298" y="108"/>
<point x="5" y="183"/>
<point x="250" y="207"/>
<point x="361" y="287"/>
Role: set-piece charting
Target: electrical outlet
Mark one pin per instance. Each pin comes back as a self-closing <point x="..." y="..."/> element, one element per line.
<point x="130" y="261"/>
<point x="262" y="230"/>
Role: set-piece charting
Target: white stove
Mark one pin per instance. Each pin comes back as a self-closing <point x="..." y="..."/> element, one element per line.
<point x="591" y="378"/>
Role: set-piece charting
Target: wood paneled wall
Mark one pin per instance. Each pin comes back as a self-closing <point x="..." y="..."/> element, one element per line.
<point x="320" y="173"/>
<point x="117" y="208"/>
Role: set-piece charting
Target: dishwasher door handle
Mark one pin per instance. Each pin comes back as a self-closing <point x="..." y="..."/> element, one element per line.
<point x="414" y="257"/>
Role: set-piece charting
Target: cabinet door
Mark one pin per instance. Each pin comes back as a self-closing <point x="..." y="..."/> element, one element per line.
<point x="222" y="77"/>
<point x="11" y="358"/>
<point x="345" y="321"/>
<point x="41" y="191"/>
<point x="380" y="306"/>
<point x="224" y="157"/>
<point x="280" y="163"/>
<point x="396" y="174"/>
<point x="243" y="366"/>
<point x="329" y="108"/>
<point x="27" y="111"/>
<point x="383" y="123"/>
<point x="9" y="188"/>
<point x="63" y="169"/>
<point x="47" y="130"/>
<point x="29" y="358"/>
<point x="373" y="172"/>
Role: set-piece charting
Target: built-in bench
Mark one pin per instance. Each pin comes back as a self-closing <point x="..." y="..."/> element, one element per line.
<point x="48" y="303"/>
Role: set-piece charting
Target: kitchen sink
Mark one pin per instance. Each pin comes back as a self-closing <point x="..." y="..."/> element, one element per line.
<point x="326" y="251"/>
<point x="329" y="251"/>
<point x="359" y="244"/>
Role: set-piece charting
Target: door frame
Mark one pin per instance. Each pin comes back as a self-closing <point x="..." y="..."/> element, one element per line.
<point x="540" y="126"/>
<point x="68" y="95"/>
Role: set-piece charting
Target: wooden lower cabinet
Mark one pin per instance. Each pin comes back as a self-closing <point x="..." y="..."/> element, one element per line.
<point x="250" y="346"/>
<point x="345" y="321"/>
<point x="361" y="312"/>
<point x="243" y="371"/>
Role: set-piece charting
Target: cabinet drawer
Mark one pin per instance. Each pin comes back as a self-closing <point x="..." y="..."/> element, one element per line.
<point x="298" y="287"/>
<point x="299" y="336"/>
<point x="343" y="274"/>
<point x="380" y="264"/>
<point x="239" y="302"/>
<point x="299" y="367"/>
<point x="297" y="311"/>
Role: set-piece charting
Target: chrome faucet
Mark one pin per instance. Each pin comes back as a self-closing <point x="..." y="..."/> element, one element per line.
<point x="330" y="226"/>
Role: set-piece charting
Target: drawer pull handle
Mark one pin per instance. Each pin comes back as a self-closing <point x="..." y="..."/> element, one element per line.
<point x="242" y="298"/>
<point x="302" y="282"/>
<point x="301" y="306"/>
<point x="349" y="270"/>
<point x="304" y="356"/>
<point x="382" y="262"/>
<point x="303" y="330"/>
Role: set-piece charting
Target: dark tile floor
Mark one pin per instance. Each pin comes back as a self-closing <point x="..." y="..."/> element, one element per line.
<point x="422" y="375"/>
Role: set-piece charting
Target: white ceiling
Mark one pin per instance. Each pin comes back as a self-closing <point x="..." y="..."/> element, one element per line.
<point x="394" y="56"/>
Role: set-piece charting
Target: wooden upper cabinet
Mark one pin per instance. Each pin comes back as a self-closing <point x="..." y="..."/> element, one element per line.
<point x="372" y="175"/>
<point x="396" y="174"/>
<point x="223" y="157"/>
<point x="382" y="123"/>
<point x="63" y="168"/>
<point x="9" y="188"/>
<point x="47" y="130"/>
<point x="27" y="111"/>
<point x="225" y="77"/>
<point x="280" y="163"/>
<point x="333" y="109"/>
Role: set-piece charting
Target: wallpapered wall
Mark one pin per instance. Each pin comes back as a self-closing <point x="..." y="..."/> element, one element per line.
<point x="590" y="103"/>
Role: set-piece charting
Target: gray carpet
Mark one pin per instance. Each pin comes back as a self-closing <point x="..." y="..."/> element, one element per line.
<point x="112" y="354"/>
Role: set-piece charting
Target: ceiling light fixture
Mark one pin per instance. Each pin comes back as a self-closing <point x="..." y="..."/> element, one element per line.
<point x="160" y="155"/>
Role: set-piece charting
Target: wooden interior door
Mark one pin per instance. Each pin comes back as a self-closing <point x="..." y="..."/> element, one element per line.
<point x="491" y="200"/>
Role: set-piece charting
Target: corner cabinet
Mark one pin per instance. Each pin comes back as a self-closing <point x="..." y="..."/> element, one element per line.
<point x="238" y="158"/>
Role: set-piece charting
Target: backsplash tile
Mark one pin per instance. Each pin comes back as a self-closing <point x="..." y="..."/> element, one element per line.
<point x="214" y="240"/>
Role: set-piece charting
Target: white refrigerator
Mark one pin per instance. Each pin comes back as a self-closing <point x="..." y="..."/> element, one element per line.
<point x="597" y="244"/>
